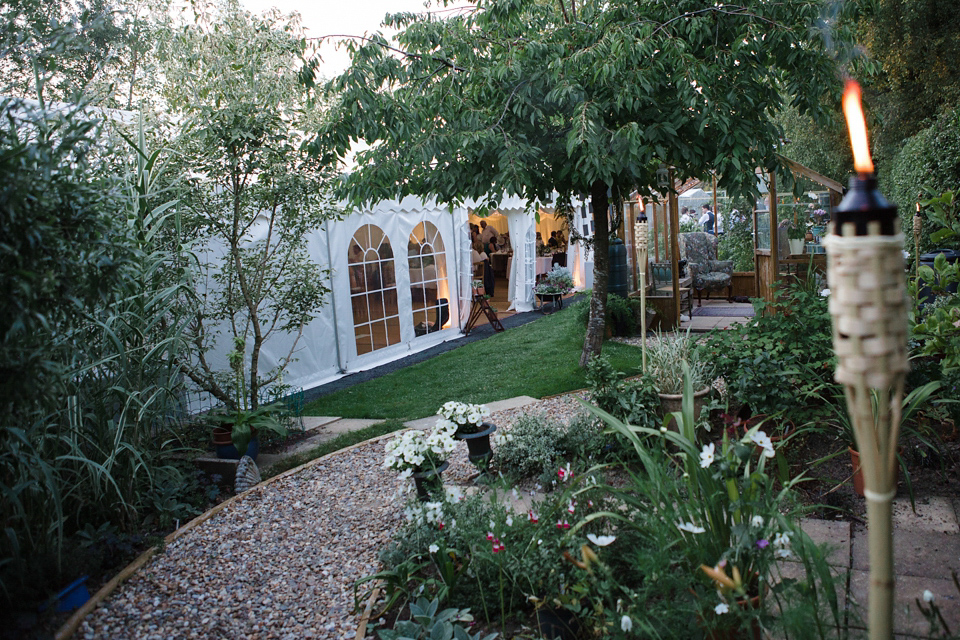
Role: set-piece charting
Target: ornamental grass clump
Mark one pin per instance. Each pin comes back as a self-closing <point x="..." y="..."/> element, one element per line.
<point x="466" y="418"/>
<point x="667" y="353"/>
<point x="414" y="451"/>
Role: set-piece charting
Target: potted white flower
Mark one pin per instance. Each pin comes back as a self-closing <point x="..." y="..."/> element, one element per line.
<point x="422" y="456"/>
<point x="467" y="420"/>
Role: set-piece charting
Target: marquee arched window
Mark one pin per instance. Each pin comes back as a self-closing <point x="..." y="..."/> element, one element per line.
<point x="373" y="290"/>
<point x="429" y="292"/>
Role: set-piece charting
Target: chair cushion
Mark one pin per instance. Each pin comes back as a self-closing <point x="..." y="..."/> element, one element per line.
<point x="713" y="281"/>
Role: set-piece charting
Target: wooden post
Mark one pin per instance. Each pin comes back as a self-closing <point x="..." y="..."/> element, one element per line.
<point x="674" y="244"/>
<point x="774" y="237"/>
<point x="715" y="214"/>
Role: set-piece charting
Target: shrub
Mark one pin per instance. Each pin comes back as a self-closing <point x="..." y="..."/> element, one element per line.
<point x="621" y="315"/>
<point x="531" y="447"/>
<point x="634" y="401"/>
<point x="928" y="163"/>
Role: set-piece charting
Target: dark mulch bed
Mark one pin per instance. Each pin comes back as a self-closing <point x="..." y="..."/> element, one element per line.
<point x="829" y="488"/>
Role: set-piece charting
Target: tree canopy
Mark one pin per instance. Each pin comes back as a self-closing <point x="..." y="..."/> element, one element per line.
<point x="526" y="97"/>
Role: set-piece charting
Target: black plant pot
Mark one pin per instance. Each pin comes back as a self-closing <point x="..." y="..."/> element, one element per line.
<point x="429" y="483"/>
<point x="478" y="445"/>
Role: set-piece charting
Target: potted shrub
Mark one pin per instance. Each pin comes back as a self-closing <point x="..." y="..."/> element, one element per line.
<point x="557" y="283"/>
<point x="235" y="433"/>
<point x="796" y="233"/>
<point x="422" y="456"/>
<point x="666" y="355"/>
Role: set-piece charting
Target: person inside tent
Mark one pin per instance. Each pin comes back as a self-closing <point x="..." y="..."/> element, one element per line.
<point x="707" y="219"/>
<point x="488" y="236"/>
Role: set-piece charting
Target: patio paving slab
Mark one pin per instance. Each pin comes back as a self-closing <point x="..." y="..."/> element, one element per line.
<point x="907" y="619"/>
<point x="918" y="553"/>
<point x="833" y="533"/>
<point x="933" y="514"/>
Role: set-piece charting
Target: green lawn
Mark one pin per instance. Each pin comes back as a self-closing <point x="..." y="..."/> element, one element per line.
<point x="537" y="359"/>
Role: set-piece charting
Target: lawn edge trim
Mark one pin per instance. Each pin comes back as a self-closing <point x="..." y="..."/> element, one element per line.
<point x="73" y="623"/>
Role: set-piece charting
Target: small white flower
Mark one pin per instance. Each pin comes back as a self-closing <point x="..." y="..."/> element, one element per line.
<point x="825" y="293"/>
<point x="689" y="526"/>
<point x="509" y="521"/>
<point x="600" y="541"/>
<point x="721" y="609"/>
<point x="756" y="521"/>
<point x="626" y="624"/>
<point x="663" y="429"/>
<point x="927" y="595"/>
<point x="783" y="553"/>
<point x="434" y="548"/>
<point x="706" y="456"/>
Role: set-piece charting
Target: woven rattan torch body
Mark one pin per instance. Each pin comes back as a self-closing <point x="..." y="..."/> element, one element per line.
<point x="640" y="233"/>
<point x="865" y="271"/>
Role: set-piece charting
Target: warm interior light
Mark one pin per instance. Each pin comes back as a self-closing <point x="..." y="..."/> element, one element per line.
<point x="857" y="127"/>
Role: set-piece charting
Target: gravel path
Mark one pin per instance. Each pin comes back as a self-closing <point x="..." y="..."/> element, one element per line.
<point x="281" y="561"/>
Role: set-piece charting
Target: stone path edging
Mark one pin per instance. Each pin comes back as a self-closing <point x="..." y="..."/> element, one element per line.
<point x="73" y="623"/>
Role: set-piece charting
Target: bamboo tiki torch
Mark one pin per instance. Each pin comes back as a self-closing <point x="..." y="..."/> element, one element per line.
<point x="868" y="306"/>
<point x="640" y="235"/>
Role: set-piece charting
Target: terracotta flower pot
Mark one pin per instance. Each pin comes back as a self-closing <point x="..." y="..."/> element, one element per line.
<point x="858" y="472"/>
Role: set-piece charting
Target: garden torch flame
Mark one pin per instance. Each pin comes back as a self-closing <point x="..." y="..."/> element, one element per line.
<point x="857" y="127"/>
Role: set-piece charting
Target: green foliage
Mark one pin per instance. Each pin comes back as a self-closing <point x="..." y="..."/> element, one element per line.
<point x="536" y="446"/>
<point x="783" y="357"/>
<point x="92" y="270"/>
<point x="622" y="314"/>
<point x="824" y="147"/>
<point x="633" y="401"/>
<point x="912" y="41"/>
<point x="723" y="519"/>
<point x="928" y="163"/>
<point x="427" y="623"/>
<point x="737" y="241"/>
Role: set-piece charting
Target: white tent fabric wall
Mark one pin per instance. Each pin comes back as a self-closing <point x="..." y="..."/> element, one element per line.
<point x="328" y="348"/>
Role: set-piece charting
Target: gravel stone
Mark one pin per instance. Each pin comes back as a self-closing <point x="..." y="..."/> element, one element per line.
<point x="281" y="561"/>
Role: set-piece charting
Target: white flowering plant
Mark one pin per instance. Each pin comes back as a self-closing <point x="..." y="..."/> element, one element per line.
<point x="466" y="418"/>
<point x="414" y="450"/>
<point x="717" y="509"/>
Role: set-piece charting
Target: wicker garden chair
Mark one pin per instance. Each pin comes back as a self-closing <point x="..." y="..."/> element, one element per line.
<point x="709" y="274"/>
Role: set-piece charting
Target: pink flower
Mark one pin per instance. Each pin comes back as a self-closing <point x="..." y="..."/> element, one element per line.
<point x="497" y="546"/>
<point x="439" y="525"/>
<point x="490" y="535"/>
<point x="565" y="473"/>
<point x="534" y="517"/>
<point x="563" y="524"/>
<point x="763" y="543"/>
<point x="571" y="506"/>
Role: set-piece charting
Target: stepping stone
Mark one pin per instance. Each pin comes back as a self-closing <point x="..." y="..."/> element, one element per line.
<point x="907" y="618"/>
<point x="510" y="403"/>
<point x="346" y="425"/>
<point x="835" y="534"/>
<point x="498" y="405"/>
<point x="312" y="423"/>
<point x="919" y="553"/>
<point x="935" y="515"/>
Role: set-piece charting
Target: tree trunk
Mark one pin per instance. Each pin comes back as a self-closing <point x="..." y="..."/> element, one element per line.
<point x="601" y="259"/>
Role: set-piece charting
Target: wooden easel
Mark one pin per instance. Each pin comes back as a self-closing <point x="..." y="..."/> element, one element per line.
<point x="478" y="306"/>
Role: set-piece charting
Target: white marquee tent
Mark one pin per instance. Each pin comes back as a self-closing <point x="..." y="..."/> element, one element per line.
<point x="398" y="271"/>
